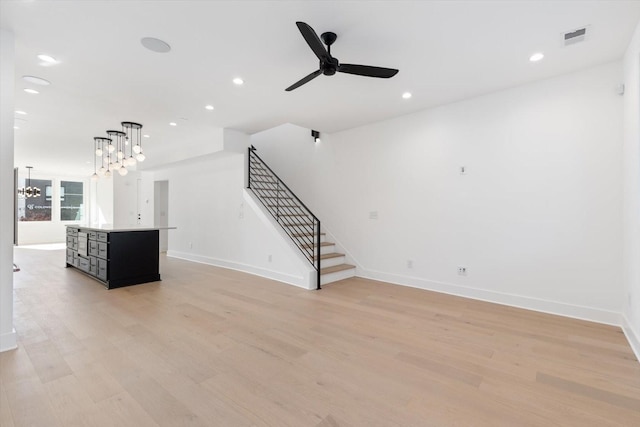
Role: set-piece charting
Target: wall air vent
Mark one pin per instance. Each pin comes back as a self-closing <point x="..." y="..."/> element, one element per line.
<point x="575" y="36"/>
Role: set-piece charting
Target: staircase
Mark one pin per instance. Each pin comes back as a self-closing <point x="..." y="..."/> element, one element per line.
<point x="300" y="224"/>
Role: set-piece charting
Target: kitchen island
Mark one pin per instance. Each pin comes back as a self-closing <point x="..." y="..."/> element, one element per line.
<point x="115" y="257"/>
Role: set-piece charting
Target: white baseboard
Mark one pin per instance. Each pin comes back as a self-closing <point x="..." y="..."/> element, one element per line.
<point x="633" y="336"/>
<point x="529" y="303"/>
<point x="8" y="341"/>
<point x="300" y="282"/>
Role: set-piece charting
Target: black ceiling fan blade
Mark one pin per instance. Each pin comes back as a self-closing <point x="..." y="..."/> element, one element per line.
<point x="313" y="40"/>
<point x="367" y="70"/>
<point x="304" y="80"/>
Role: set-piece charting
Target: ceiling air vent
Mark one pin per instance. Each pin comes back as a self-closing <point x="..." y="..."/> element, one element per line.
<point x="574" y="36"/>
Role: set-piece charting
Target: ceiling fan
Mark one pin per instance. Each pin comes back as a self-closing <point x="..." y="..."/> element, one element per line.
<point x="330" y="65"/>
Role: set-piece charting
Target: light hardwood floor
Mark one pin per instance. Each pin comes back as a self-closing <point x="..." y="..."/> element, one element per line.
<point x="215" y="347"/>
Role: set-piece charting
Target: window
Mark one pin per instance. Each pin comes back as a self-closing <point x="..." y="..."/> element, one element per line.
<point x="35" y="208"/>
<point x="71" y="201"/>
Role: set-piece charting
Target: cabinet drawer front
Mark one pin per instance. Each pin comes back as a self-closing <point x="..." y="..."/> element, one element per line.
<point x="70" y="254"/>
<point x="93" y="248"/>
<point x="92" y="235"/>
<point x="93" y="261"/>
<point x="69" y="241"/>
<point x="72" y="231"/>
<point x="102" y="269"/>
<point x="102" y="237"/>
<point x="83" y="264"/>
<point x="102" y="250"/>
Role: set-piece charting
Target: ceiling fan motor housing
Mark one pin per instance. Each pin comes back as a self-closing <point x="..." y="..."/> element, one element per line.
<point x="330" y="66"/>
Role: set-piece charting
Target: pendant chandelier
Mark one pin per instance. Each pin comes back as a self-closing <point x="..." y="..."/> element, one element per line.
<point x="29" y="191"/>
<point x="119" y="151"/>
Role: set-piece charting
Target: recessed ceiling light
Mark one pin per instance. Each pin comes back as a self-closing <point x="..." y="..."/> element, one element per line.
<point x="145" y="135"/>
<point x="209" y="107"/>
<point x="238" y="81"/>
<point x="155" y="45"/>
<point x="36" y="80"/>
<point x="22" y="113"/>
<point x="406" y="95"/>
<point x="31" y="91"/>
<point x="536" y="57"/>
<point x="173" y="124"/>
<point x="47" y="59"/>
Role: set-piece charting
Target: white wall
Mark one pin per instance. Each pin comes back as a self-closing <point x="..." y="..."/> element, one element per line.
<point x="217" y="224"/>
<point x="192" y="145"/>
<point x="161" y="211"/>
<point x="7" y="192"/>
<point x="101" y="205"/>
<point x="536" y="219"/>
<point x="631" y="157"/>
<point x="125" y="199"/>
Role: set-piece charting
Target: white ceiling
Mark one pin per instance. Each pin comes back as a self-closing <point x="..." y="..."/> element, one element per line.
<point x="445" y="51"/>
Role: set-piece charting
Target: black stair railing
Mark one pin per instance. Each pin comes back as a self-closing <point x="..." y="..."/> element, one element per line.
<point x="300" y="224"/>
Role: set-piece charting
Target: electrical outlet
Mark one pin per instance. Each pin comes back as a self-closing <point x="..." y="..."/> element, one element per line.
<point x="409" y="263"/>
<point x="373" y="215"/>
<point x="463" y="170"/>
<point x="462" y="271"/>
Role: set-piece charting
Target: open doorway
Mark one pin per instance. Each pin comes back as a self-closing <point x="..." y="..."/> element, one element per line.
<point x="161" y="211"/>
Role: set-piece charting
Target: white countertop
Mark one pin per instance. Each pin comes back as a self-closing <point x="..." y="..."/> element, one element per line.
<point x="110" y="228"/>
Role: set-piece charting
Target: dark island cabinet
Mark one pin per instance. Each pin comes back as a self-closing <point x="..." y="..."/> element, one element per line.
<point x="116" y="258"/>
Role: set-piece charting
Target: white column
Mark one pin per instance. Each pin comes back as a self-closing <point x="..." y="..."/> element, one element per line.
<point x="7" y="192"/>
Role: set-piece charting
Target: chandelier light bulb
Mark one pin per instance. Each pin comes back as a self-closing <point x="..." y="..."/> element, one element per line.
<point x="137" y="149"/>
<point x="126" y="140"/>
<point x="123" y="171"/>
<point x="94" y="177"/>
<point x="107" y="173"/>
<point x="120" y="154"/>
<point x="111" y="148"/>
<point x="99" y="152"/>
<point x="101" y="171"/>
<point x="131" y="161"/>
<point x="117" y="165"/>
<point x="140" y="157"/>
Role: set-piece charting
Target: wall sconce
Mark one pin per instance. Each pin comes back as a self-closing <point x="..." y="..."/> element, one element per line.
<point x="316" y="135"/>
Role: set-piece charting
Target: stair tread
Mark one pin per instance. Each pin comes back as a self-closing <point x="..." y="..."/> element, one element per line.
<point x="336" y="268"/>
<point x="331" y="255"/>
<point x="308" y="245"/>
<point x="307" y="234"/>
